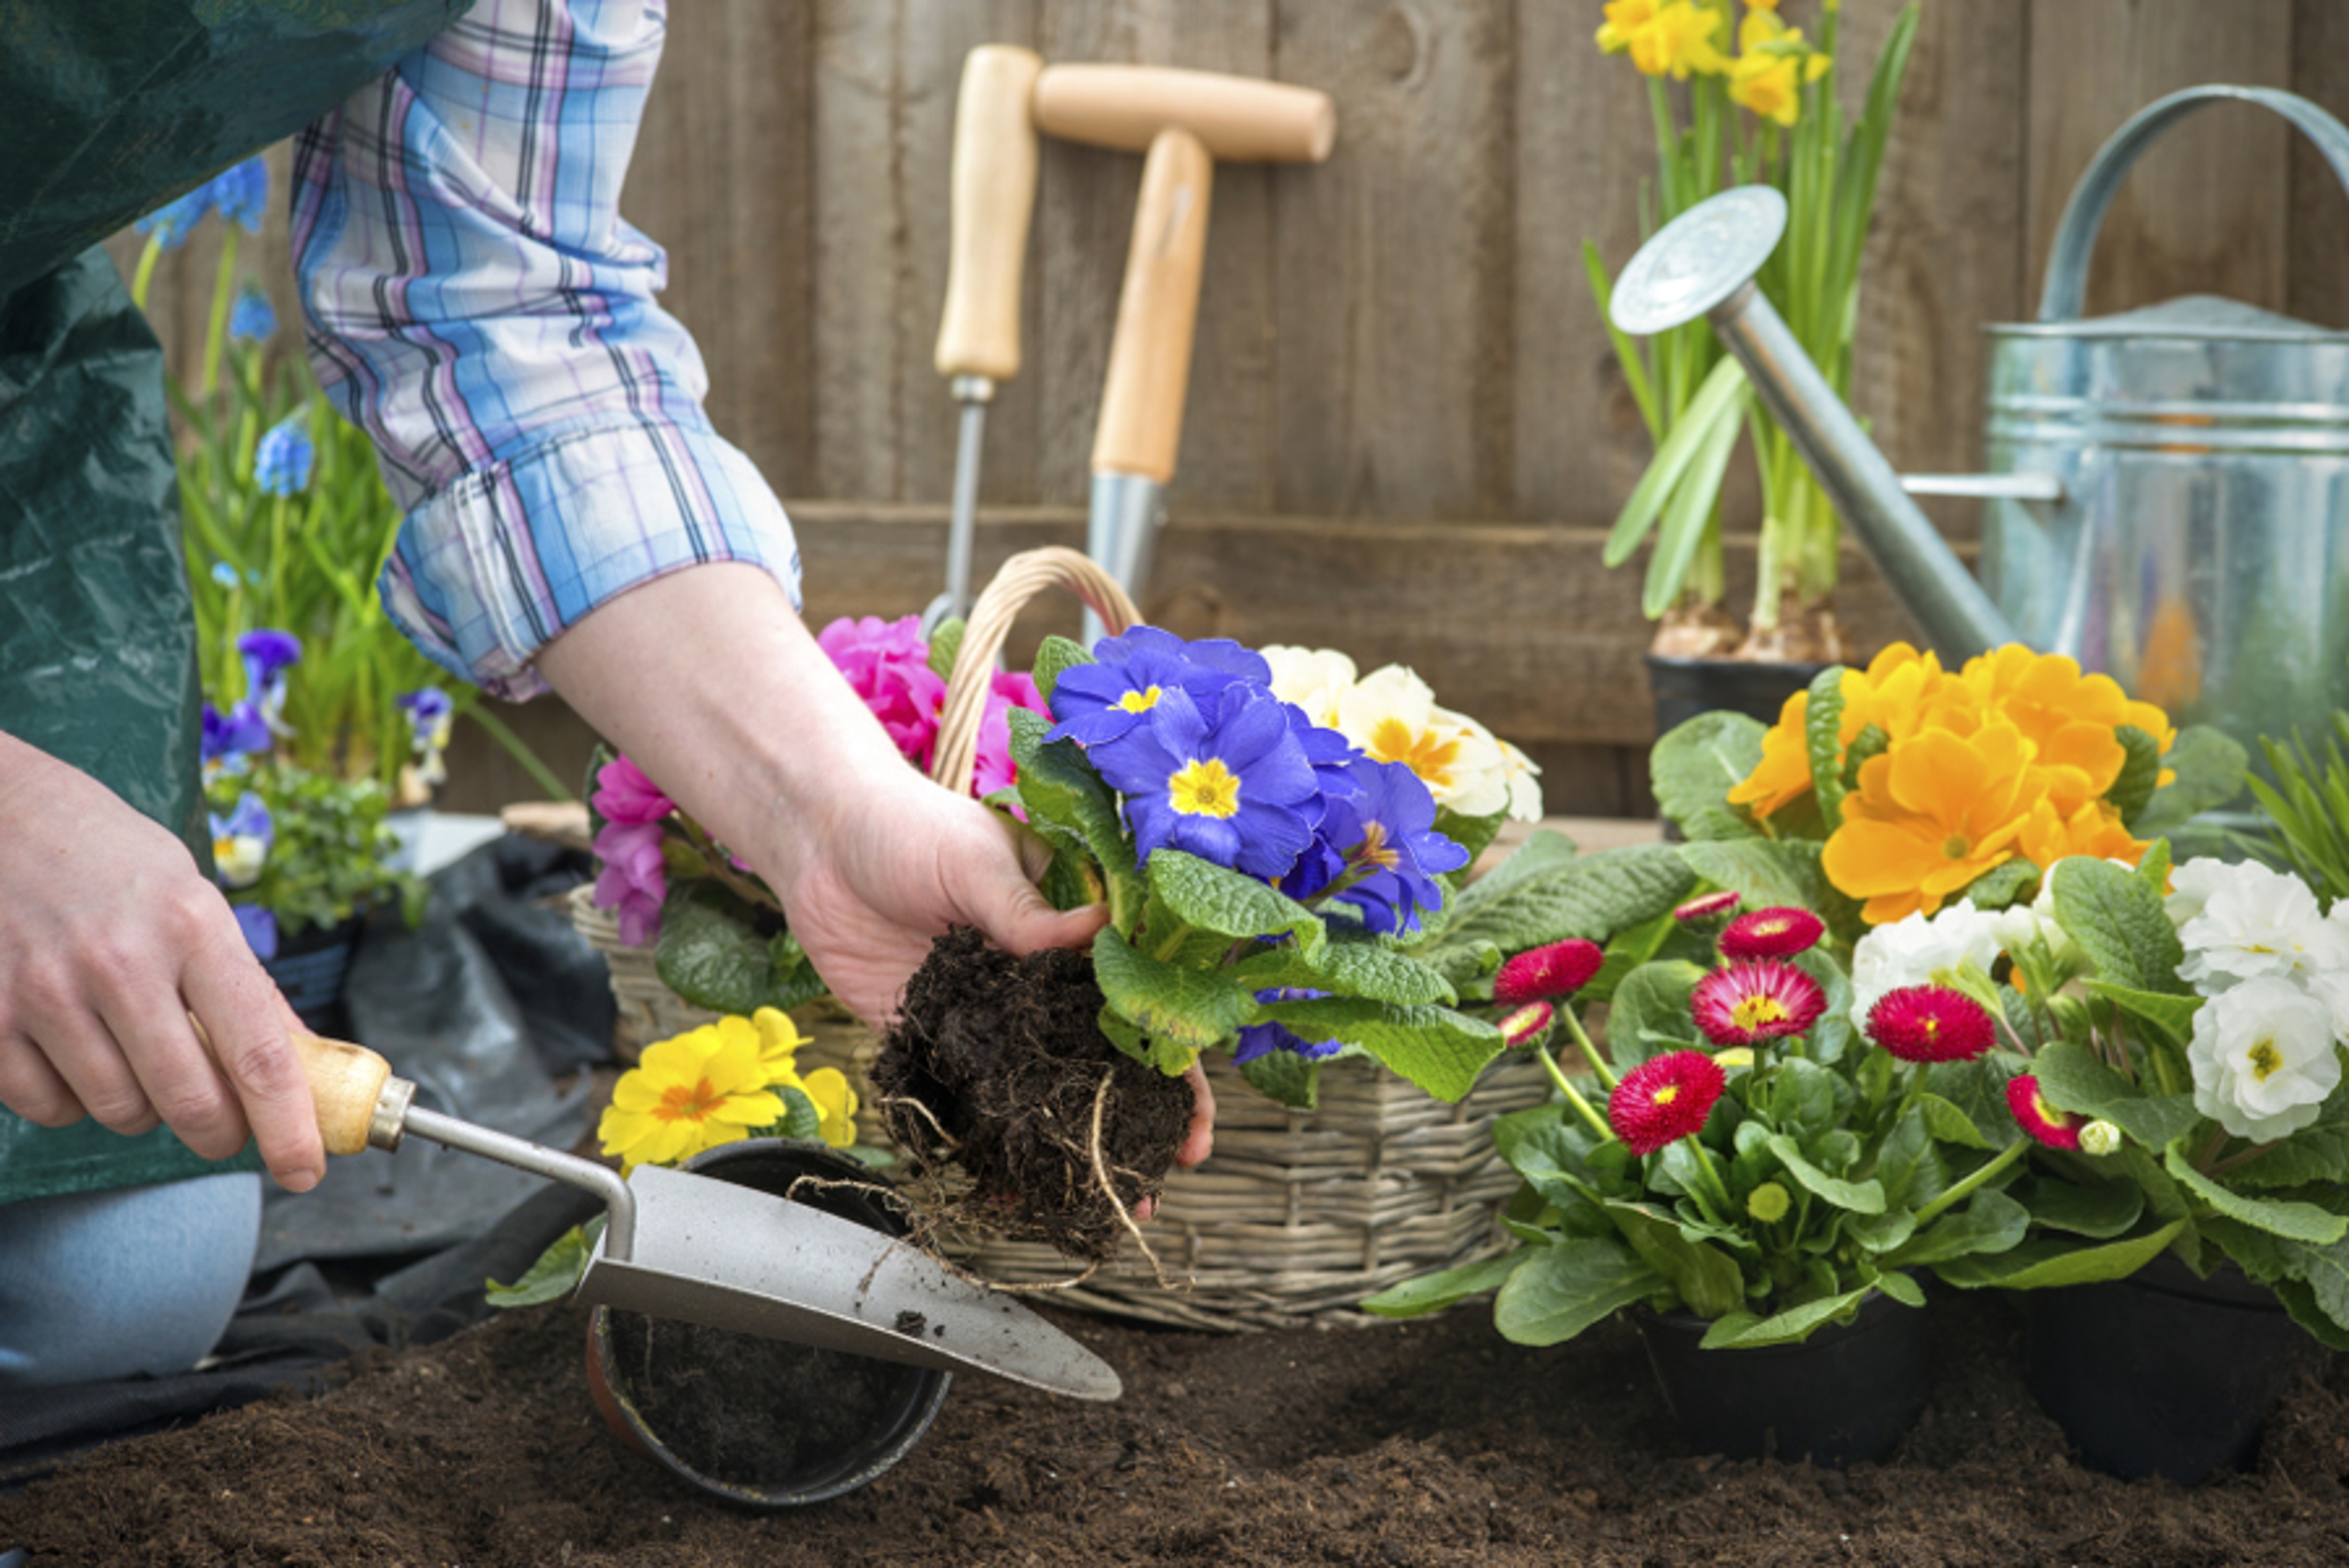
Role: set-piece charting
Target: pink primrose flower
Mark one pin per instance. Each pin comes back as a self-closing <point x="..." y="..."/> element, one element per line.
<point x="633" y="880"/>
<point x="887" y="663"/>
<point x="995" y="769"/>
<point x="624" y="796"/>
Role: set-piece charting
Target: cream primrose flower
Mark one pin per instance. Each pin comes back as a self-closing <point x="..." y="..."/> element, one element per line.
<point x="1920" y="950"/>
<point x="1315" y="679"/>
<point x="2263" y="1059"/>
<point x="1524" y="784"/>
<point x="2255" y="922"/>
<point x="1391" y="714"/>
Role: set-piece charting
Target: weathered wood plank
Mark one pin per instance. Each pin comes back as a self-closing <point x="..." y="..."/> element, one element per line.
<point x="2316" y="283"/>
<point x="2204" y="211"/>
<point x="1394" y="380"/>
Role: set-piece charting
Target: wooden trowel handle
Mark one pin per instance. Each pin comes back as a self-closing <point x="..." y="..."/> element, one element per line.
<point x="994" y="190"/>
<point x="346" y="1081"/>
<point x="1150" y="355"/>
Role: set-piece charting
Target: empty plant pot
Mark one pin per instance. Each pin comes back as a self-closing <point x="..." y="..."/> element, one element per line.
<point x="763" y="1422"/>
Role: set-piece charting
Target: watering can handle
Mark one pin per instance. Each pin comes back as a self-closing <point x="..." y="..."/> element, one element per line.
<point x="2075" y="234"/>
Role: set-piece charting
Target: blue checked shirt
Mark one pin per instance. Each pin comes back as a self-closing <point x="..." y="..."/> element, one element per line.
<point x="476" y="303"/>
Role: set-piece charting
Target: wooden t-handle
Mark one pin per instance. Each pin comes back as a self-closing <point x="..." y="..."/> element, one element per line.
<point x="1150" y="355"/>
<point x="346" y="1081"/>
<point x="1240" y="120"/>
<point x="993" y="191"/>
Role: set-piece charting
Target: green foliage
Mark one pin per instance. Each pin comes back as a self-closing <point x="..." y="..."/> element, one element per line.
<point x="1591" y="897"/>
<point x="1696" y="764"/>
<point x="711" y="951"/>
<point x="557" y="1272"/>
<point x="2118" y="919"/>
<point x="332" y="855"/>
<point x="2308" y="807"/>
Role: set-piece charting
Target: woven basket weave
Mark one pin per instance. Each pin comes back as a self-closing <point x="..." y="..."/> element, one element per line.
<point x="1296" y="1217"/>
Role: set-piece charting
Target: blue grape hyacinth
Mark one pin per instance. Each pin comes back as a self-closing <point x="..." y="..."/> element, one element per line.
<point x="281" y="463"/>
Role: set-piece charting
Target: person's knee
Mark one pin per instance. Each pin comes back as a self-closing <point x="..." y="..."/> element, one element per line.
<point x="98" y="1286"/>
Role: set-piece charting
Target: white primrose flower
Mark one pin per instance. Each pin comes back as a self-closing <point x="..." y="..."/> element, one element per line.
<point x="1921" y="951"/>
<point x="2263" y="1059"/>
<point x="1525" y="784"/>
<point x="2252" y="922"/>
<point x="1391" y="714"/>
<point x="1315" y="679"/>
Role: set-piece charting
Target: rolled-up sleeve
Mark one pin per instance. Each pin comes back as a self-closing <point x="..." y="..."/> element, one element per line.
<point x="476" y="303"/>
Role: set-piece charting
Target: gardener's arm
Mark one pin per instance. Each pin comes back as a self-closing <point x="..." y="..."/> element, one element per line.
<point x="111" y="937"/>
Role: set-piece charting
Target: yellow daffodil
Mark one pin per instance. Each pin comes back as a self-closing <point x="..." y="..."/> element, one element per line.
<point x="1674" y="38"/>
<point x="1761" y="26"/>
<point x="688" y="1093"/>
<point x="1390" y="715"/>
<point x="1936" y="811"/>
<point x="1769" y="83"/>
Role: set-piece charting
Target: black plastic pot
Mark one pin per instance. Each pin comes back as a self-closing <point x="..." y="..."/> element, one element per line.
<point x="834" y="1444"/>
<point x="1682" y="689"/>
<point x="2162" y="1373"/>
<point x="310" y="968"/>
<point x="1846" y="1395"/>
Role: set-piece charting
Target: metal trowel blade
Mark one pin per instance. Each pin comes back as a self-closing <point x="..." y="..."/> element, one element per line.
<point x="735" y="1258"/>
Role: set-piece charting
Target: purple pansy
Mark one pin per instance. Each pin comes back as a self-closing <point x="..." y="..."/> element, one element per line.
<point x="230" y="737"/>
<point x="633" y="880"/>
<point x="1100" y="702"/>
<point x="241" y="842"/>
<point x="260" y="928"/>
<point x="1261" y="1039"/>
<point x="1222" y="778"/>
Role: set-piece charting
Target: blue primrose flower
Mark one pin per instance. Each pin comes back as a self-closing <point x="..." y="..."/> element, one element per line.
<point x="281" y="463"/>
<point x="260" y="928"/>
<point x="1378" y="844"/>
<point x="1262" y="1039"/>
<point x="254" y="319"/>
<point x="230" y="737"/>
<point x="1101" y="701"/>
<point x="1222" y="778"/>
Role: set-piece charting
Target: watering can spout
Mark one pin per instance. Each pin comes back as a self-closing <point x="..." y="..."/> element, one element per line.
<point x="1702" y="263"/>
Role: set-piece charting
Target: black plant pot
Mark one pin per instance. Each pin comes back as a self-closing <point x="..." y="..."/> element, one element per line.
<point x="1844" y="1396"/>
<point x="311" y="969"/>
<point x="1682" y="689"/>
<point x="2162" y="1373"/>
<point x="763" y="1422"/>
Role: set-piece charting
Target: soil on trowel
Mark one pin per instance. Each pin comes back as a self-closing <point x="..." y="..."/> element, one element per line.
<point x="996" y="1064"/>
<point x="758" y="1413"/>
<point x="1414" y="1444"/>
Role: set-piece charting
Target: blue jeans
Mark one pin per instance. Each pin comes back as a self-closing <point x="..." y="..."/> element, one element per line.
<point x="96" y="1286"/>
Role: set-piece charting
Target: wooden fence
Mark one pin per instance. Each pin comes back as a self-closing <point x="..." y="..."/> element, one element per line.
<point x="1405" y="434"/>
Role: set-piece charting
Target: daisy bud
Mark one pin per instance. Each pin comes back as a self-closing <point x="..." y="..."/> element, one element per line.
<point x="1541" y="973"/>
<point x="1527" y="1027"/>
<point x="2100" y="1137"/>
<point x="1701" y="913"/>
<point x="1768" y="1202"/>
<point x="1772" y="934"/>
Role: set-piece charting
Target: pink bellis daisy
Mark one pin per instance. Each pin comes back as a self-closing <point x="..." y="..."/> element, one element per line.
<point x="1542" y="973"/>
<point x="1762" y="999"/>
<point x="1772" y="934"/>
<point x="1664" y="1099"/>
<point x="2055" y="1128"/>
<point x="1930" y="1024"/>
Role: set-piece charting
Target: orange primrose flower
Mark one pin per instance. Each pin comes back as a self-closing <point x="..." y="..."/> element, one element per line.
<point x="1936" y="811"/>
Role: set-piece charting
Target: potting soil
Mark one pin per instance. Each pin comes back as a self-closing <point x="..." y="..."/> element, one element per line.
<point x="1431" y="1442"/>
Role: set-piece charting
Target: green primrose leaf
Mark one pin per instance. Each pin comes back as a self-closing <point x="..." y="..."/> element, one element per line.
<point x="1056" y="785"/>
<point x="1434" y="1293"/>
<point x="2073" y="1080"/>
<point x="1649" y="1012"/>
<point x="2132" y="790"/>
<point x="555" y="1275"/>
<point x="1978" y="1090"/>
<point x="2210" y="767"/>
<point x="1054" y="659"/>
<point x="1545" y="849"/>
<point x="713" y="958"/>
<point x="1859" y="1197"/>
<point x="1353" y="965"/>
<point x="946" y="642"/>
<point x="1286" y="1078"/>
<point x="1212" y="898"/>
<point x="2318" y="1154"/>
<point x="1823" y="739"/>
<point x="1440" y="1050"/>
<point x="1188" y="1006"/>
<point x="2172" y="1015"/>
<point x="1590" y="896"/>
<point x="2011" y="882"/>
<point x="1696" y="764"/>
<point x="2293" y="1221"/>
<point x="1121" y="1033"/>
<point x="801" y="1119"/>
<point x="1558" y="1292"/>
<point x="2118" y="920"/>
<point x="1471" y="833"/>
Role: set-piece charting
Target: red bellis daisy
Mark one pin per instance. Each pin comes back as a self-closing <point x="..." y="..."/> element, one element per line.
<point x="1664" y="1099"/>
<point x="1930" y="1024"/>
<point x="1772" y="934"/>
<point x="1540" y="973"/>
<point x="1748" y="1002"/>
<point x="2055" y="1128"/>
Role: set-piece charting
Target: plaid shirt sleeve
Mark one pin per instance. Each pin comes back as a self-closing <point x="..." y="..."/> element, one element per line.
<point x="476" y="303"/>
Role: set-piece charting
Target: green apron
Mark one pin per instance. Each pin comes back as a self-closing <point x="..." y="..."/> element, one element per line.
<point x="108" y="109"/>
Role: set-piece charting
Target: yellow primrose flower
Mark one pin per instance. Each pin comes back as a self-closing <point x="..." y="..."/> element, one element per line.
<point x="827" y="1088"/>
<point x="2094" y="829"/>
<point x="1390" y="715"/>
<point x="779" y="1040"/>
<point x="1769" y="84"/>
<point x="1783" y="774"/>
<point x="1676" y="37"/>
<point x="1933" y="813"/>
<point x="688" y="1093"/>
<point x="835" y="1102"/>
<point x="2071" y="717"/>
<point x="1901" y="692"/>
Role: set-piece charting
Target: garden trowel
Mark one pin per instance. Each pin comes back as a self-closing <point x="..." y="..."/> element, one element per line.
<point x="692" y="1247"/>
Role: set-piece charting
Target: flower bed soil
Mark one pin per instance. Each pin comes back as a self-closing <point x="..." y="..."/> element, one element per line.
<point x="1425" y="1443"/>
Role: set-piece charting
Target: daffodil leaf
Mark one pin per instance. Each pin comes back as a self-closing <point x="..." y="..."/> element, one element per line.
<point x="2133" y="787"/>
<point x="945" y="643"/>
<point x="1992" y="1222"/>
<point x="1708" y="1279"/>
<point x="1689" y="514"/>
<point x="1188" y="1006"/>
<point x="1434" y="1293"/>
<point x="1859" y="1197"/>
<point x="1592" y="896"/>
<point x="1055" y="658"/>
<point x="2100" y="1211"/>
<point x="1558" y="1292"/>
<point x="1823" y="739"/>
<point x="1216" y="899"/>
<point x="1440" y="1050"/>
<point x="1744" y="1330"/>
<point x="556" y="1273"/>
<point x="1716" y="404"/>
<point x="2293" y="1221"/>
<point x="2118" y="922"/>
<point x="2210" y="767"/>
<point x="1649" y="1013"/>
<point x="1285" y="1078"/>
<point x="2075" y="1080"/>
<point x="2043" y="1262"/>
<point x="1696" y="764"/>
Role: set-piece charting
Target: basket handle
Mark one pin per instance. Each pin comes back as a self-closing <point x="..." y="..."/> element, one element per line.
<point x="1023" y="577"/>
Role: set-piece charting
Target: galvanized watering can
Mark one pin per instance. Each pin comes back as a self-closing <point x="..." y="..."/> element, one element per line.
<point x="2168" y="494"/>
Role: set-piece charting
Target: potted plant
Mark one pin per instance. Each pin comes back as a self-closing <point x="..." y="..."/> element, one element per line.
<point x="1757" y="103"/>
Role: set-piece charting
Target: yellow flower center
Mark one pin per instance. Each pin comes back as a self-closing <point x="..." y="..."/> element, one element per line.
<point x="1956" y="847"/>
<point x="1753" y="1012"/>
<point x="1139" y="701"/>
<point x="1423" y="751"/>
<point x="2266" y="1060"/>
<point x="681" y="1103"/>
<point x="2047" y="1112"/>
<point x="1375" y="851"/>
<point x="1933" y="1026"/>
<point x="1669" y="1093"/>
<point x="1203" y="787"/>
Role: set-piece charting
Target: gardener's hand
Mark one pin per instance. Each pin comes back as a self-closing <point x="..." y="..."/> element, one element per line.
<point x="111" y="937"/>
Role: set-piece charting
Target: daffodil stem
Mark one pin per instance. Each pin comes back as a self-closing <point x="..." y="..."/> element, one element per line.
<point x="1573" y="1098"/>
<point x="1605" y="1073"/>
<point x="1927" y="1214"/>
